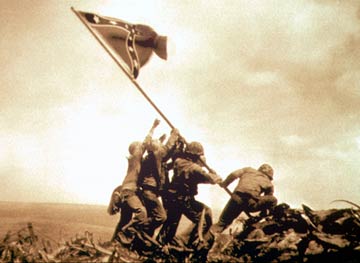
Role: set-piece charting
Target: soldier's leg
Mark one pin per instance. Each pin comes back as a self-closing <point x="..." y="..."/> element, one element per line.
<point x="231" y="211"/>
<point x="125" y="217"/>
<point x="198" y="213"/>
<point x="155" y="210"/>
<point x="208" y="218"/>
<point x="139" y="217"/>
<point x="134" y="228"/>
<point x="200" y="239"/>
<point x="265" y="204"/>
<point x="169" y="227"/>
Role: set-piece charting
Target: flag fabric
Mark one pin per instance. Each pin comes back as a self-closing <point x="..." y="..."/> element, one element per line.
<point x="131" y="44"/>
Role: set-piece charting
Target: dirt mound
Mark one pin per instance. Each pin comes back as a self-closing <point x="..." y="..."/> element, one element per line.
<point x="285" y="235"/>
<point x="294" y="235"/>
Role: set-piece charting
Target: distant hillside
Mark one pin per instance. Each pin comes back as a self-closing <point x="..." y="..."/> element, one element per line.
<point x="58" y="221"/>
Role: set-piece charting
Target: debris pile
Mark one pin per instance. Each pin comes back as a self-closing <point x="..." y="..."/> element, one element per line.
<point x="25" y="246"/>
<point x="294" y="235"/>
<point x="285" y="235"/>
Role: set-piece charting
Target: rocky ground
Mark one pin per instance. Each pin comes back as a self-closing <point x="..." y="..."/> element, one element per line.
<point x="286" y="235"/>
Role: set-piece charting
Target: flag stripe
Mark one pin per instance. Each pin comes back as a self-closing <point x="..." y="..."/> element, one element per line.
<point x="132" y="44"/>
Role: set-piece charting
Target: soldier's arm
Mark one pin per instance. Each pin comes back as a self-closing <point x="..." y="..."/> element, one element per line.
<point x="215" y="178"/>
<point x="169" y="147"/>
<point x="150" y="134"/>
<point x="232" y="176"/>
<point x="208" y="177"/>
<point x="174" y="135"/>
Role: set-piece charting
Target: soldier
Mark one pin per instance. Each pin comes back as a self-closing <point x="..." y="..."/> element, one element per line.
<point x="153" y="178"/>
<point x="183" y="188"/>
<point x="253" y="193"/>
<point x="130" y="192"/>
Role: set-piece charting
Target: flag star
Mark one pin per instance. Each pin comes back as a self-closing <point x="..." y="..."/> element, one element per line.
<point x="113" y="23"/>
<point x="96" y="19"/>
<point x="131" y="49"/>
<point x="135" y="63"/>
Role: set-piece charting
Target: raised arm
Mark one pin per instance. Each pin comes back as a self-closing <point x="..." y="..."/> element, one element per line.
<point x="148" y="138"/>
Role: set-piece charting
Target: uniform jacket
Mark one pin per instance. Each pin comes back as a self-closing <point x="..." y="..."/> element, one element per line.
<point x="130" y="181"/>
<point x="187" y="176"/>
<point x="153" y="173"/>
<point x="251" y="181"/>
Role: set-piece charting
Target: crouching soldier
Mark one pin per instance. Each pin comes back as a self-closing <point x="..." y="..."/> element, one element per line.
<point x="253" y="193"/>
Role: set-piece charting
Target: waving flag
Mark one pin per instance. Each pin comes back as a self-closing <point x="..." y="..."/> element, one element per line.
<point x="130" y="44"/>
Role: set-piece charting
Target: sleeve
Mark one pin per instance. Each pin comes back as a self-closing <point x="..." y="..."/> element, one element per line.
<point x="214" y="178"/>
<point x="204" y="177"/>
<point x="232" y="176"/>
<point x="134" y="164"/>
<point x="170" y="145"/>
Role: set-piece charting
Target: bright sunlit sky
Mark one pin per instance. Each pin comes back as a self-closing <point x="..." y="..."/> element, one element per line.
<point x="254" y="81"/>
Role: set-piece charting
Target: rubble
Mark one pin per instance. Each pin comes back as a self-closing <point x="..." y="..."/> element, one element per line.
<point x="295" y="235"/>
<point x="285" y="235"/>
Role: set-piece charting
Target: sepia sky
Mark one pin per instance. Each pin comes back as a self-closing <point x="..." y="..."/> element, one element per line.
<point x="254" y="81"/>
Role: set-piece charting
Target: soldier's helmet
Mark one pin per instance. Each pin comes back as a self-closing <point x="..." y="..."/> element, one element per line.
<point x="195" y="148"/>
<point x="134" y="147"/>
<point x="267" y="169"/>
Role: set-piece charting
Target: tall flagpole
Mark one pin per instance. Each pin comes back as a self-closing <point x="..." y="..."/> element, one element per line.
<point x="136" y="84"/>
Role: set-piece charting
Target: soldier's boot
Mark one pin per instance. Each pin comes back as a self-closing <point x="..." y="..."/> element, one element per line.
<point x="204" y="246"/>
<point x="253" y="220"/>
<point x="125" y="237"/>
<point x="264" y="213"/>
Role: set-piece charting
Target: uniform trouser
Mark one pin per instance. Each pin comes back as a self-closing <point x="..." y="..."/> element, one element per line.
<point x="138" y="210"/>
<point x="177" y="206"/>
<point x="155" y="211"/>
<point x="245" y="203"/>
<point x="125" y="218"/>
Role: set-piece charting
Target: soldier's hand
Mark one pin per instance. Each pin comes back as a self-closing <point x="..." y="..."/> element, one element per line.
<point x="156" y="123"/>
<point x="222" y="184"/>
<point x="211" y="171"/>
<point x="175" y="131"/>
<point x="162" y="138"/>
<point x="236" y="198"/>
<point x="217" y="179"/>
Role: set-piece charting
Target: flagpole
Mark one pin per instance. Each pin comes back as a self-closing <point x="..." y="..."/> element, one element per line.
<point x="136" y="84"/>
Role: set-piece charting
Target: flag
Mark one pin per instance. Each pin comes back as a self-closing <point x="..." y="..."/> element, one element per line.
<point x="131" y="44"/>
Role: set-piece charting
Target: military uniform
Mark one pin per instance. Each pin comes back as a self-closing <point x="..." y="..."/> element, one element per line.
<point x="152" y="180"/>
<point x="130" y="187"/>
<point x="180" y="199"/>
<point x="115" y="206"/>
<point x="254" y="192"/>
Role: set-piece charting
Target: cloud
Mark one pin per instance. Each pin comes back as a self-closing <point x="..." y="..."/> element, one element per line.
<point x="293" y="140"/>
<point x="255" y="81"/>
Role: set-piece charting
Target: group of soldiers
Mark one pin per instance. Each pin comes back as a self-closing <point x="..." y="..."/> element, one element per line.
<point x="151" y="202"/>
